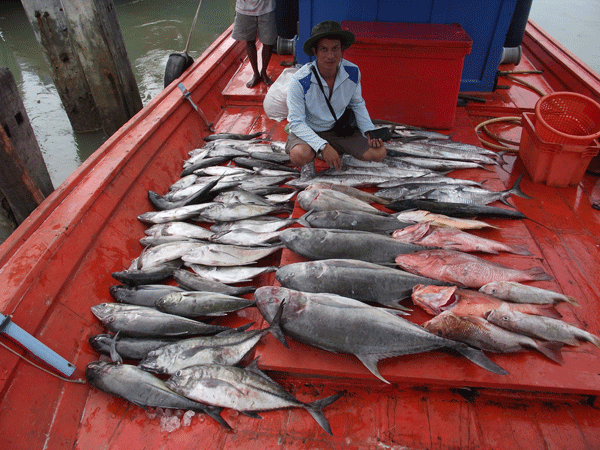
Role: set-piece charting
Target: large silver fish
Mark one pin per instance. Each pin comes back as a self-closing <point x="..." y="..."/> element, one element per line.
<point x="142" y="388"/>
<point x="472" y="195"/>
<point x="228" y="348"/>
<point x="359" y="280"/>
<point x="126" y="347"/>
<point x="328" y="199"/>
<point x="343" y="325"/>
<point x="320" y="243"/>
<point x="193" y="282"/>
<point x="142" y="295"/>
<point x="244" y="389"/>
<point x="228" y="255"/>
<point x="351" y="220"/>
<point x="222" y="212"/>
<point x="142" y="321"/>
<point x="233" y="274"/>
<point x="194" y="304"/>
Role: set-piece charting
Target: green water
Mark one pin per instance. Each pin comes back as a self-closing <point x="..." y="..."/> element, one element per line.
<point x="152" y="29"/>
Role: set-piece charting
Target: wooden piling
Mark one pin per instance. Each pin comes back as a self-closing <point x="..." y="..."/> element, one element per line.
<point x="23" y="144"/>
<point x="84" y="48"/>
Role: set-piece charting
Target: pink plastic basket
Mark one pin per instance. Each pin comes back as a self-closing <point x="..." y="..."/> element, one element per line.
<point x="567" y="118"/>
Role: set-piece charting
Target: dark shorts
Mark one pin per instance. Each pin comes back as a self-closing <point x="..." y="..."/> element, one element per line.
<point x="355" y="145"/>
<point x="247" y="28"/>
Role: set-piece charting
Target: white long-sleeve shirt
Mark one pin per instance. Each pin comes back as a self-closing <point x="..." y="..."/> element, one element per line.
<point x="308" y="111"/>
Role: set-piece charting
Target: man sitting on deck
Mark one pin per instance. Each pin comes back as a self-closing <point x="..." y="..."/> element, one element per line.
<point x="316" y="102"/>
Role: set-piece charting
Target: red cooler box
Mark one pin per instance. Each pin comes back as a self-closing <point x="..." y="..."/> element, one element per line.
<point x="411" y="72"/>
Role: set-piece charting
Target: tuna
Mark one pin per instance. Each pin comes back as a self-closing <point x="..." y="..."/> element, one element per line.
<point x="343" y="325"/>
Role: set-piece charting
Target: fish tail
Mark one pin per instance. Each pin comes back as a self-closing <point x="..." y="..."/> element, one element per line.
<point x="537" y="274"/>
<point x="516" y="188"/>
<point x="478" y="357"/>
<point x="519" y="250"/>
<point x="548" y="311"/>
<point x="572" y="300"/>
<point x="302" y="220"/>
<point x="316" y="410"/>
<point x="551" y="349"/>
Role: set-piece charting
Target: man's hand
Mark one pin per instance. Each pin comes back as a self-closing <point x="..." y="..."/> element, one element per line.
<point x="374" y="143"/>
<point x="331" y="157"/>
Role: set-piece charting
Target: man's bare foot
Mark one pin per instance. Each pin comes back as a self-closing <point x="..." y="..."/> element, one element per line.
<point x="266" y="79"/>
<point x="253" y="82"/>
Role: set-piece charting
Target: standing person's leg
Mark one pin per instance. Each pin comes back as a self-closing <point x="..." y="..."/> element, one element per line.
<point x="245" y="28"/>
<point x="253" y="58"/>
<point x="267" y="34"/>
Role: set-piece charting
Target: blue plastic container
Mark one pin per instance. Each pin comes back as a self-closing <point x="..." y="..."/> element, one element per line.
<point x="486" y="22"/>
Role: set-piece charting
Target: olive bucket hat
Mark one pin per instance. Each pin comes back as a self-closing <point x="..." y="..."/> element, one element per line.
<point x="329" y="29"/>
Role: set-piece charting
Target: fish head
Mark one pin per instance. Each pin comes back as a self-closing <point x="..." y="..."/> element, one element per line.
<point x="494" y="289"/>
<point x="184" y="379"/>
<point x="502" y="317"/>
<point x="307" y="197"/>
<point x="434" y="299"/>
<point x="103" y="312"/>
<point x="269" y="298"/>
<point x="444" y="325"/>
<point x="95" y="371"/>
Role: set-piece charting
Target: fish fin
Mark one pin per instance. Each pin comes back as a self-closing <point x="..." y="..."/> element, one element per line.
<point x="370" y="362"/>
<point x="572" y="300"/>
<point x="538" y="274"/>
<point x="114" y="355"/>
<point x="275" y="328"/>
<point x="591" y="338"/>
<point x="516" y="188"/>
<point x="315" y="409"/>
<point x="550" y="349"/>
<point x="548" y="311"/>
<point x="215" y="413"/>
<point x="520" y="250"/>
<point x="252" y="414"/>
<point x="235" y="330"/>
<point x="400" y="310"/>
<point x="478" y="357"/>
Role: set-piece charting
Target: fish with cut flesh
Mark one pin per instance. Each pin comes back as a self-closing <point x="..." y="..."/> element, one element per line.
<point x="464" y="269"/>
<point x="429" y="235"/>
<point x="478" y="332"/>
<point x="466" y="302"/>
<point x="441" y="220"/>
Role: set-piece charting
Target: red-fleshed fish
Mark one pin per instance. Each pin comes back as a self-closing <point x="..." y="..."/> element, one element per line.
<point x="451" y="239"/>
<point x="479" y="333"/>
<point x="465" y="302"/>
<point x="464" y="269"/>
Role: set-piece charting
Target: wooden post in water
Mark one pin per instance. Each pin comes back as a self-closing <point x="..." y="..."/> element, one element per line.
<point x="84" y="48"/>
<point x="16" y="183"/>
<point x="24" y="178"/>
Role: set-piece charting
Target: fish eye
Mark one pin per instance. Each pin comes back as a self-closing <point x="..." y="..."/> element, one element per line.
<point x="178" y="373"/>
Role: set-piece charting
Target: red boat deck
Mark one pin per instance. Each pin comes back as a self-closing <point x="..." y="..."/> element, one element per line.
<point x="435" y="400"/>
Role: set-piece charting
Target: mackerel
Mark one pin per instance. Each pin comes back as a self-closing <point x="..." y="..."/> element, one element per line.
<point x="351" y="220"/>
<point x="193" y="282"/>
<point x="142" y="389"/>
<point x="223" y="386"/>
<point x="193" y="304"/>
<point x="234" y="274"/>
<point x="144" y="322"/>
